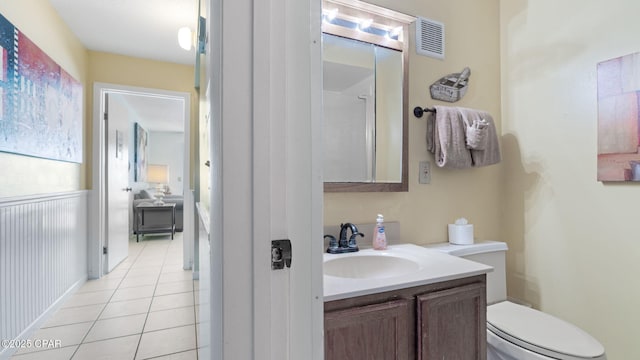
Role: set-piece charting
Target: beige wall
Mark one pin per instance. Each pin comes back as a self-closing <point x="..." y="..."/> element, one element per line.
<point x="124" y="70"/>
<point x="23" y="175"/>
<point x="472" y="39"/>
<point x="573" y="241"/>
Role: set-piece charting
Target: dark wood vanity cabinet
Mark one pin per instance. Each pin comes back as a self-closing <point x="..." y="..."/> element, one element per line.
<point x="445" y="320"/>
<point x="378" y="331"/>
<point x="452" y="323"/>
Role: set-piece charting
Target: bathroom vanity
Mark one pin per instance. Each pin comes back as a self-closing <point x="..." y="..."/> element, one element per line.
<point x="436" y="310"/>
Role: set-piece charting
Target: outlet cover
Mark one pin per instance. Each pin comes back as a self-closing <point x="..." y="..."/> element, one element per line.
<point x="424" y="172"/>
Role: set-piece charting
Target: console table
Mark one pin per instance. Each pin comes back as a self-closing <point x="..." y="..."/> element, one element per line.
<point x="155" y="219"/>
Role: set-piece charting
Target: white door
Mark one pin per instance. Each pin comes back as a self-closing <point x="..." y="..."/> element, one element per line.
<point x="266" y="178"/>
<point x="117" y="175"/>
<point x="289" y="86"/>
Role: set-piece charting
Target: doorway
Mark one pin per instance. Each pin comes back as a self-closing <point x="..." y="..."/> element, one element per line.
<point x="144" y="104"/>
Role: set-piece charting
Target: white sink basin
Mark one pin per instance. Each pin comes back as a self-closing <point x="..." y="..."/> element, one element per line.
<point x="370" y="266"/>
<point x="371" y="271"/>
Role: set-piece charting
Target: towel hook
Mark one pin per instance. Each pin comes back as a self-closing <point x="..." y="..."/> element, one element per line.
<point x="418" y="111"/>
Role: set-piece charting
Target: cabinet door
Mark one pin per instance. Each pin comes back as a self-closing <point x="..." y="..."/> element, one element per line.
<point x="452" y="324"/>
<point x="379" y="331"/>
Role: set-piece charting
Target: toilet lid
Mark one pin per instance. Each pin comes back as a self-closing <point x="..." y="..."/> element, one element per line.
<point x="540" y="332"/>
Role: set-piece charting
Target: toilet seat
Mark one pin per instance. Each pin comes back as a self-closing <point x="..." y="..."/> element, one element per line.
<point x="541" y="333"/>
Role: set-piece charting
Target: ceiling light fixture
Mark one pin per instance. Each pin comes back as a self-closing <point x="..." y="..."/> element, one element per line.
<point x="185" y="38"/>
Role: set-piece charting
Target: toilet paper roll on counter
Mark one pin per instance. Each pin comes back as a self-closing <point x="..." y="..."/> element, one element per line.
<point x="461" y="233"/>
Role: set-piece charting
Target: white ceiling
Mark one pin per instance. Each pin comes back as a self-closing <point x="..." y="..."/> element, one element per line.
<point x="155" y="113"/>
<point x="138" y="28"/>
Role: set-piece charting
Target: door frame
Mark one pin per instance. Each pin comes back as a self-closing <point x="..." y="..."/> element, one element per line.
<point x="97" y="225"/>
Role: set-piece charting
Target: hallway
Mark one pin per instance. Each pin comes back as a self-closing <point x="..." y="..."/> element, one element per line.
<point x="146" y="308"/>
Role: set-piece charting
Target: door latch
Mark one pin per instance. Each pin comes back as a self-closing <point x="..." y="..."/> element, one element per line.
<point x="280" y="254"/>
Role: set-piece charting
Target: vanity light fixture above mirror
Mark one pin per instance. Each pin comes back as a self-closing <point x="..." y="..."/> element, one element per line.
<point x="353" y="15"/>
<point x="366" y="120"/>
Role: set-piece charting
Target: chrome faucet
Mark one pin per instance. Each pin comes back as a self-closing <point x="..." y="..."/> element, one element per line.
<point x="344" y="244"/>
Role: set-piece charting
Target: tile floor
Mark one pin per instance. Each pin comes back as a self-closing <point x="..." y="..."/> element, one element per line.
<point x="146" y="308"/>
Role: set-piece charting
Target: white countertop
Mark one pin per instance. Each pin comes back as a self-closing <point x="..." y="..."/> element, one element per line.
<point x="434" y="266"/>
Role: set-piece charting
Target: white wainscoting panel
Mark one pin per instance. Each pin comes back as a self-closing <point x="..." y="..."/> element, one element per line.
<point x="43" y="255"/>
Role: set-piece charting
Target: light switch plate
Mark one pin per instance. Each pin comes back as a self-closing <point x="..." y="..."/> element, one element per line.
<point x="424" y="172"/>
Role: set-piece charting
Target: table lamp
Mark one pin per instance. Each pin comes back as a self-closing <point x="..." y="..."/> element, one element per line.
<point x="158" y="174"/>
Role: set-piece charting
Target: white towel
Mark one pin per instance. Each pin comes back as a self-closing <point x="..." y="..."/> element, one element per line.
<point x="477" y="134"/>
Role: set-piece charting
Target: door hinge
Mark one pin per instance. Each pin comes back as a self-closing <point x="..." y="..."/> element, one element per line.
<point x="280" y="254"/>
<point x="104" y="250"/>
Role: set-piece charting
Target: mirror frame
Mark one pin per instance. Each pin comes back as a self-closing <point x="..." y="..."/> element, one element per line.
<point x="358" y="9"/>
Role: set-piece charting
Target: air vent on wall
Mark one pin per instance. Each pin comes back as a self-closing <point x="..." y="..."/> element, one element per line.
<point x="430" y="38"/>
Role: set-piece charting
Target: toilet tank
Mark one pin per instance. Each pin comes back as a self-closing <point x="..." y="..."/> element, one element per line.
<point x="490" y="253"/>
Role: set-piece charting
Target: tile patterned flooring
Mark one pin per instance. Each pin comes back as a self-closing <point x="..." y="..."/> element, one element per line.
<point x="146" y="308"/>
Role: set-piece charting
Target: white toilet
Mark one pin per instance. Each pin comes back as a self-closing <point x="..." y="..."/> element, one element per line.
<point x="517" y="332"/>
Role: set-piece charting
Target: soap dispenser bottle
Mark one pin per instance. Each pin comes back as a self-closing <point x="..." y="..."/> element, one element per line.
<point x="379" y="237"/>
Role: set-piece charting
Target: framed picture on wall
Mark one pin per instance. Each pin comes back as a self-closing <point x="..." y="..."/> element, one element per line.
<point x="40" y="103"/>
<point x="119" y="144"/>
<point x="619" y="119"/>
<point x="141" y="143"/>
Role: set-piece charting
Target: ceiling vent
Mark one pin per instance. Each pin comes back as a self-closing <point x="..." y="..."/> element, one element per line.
<point x="430" y="38"/>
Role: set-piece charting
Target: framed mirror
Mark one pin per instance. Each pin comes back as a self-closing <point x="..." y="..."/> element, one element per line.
<point x="365" y="65"/>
